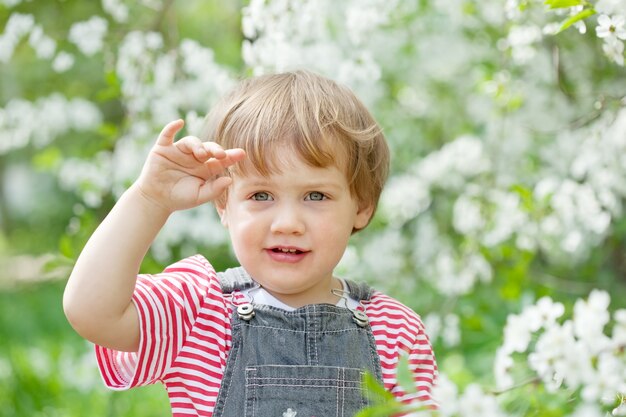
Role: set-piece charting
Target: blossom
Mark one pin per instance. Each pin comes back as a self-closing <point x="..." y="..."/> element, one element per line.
<point x="79" y="370"/>
<point x="446" y="394"/>
<point x="404" y="198"/>
<point x="543" y="314"/>
<point x="609" y="6"/>
<point x="117" y="10"/>
<point x="88" y="36"/>
<point x="475" y="403"/>
<point x="43" y="45"/>
<point x="16" y="27"/>
<point x="467" y="217"/>
<point x="614" y="50"/>
<point x="590" y="317"/>
<point x="521" y="40"/>
<point x="516" y="334"/>
<point x="607" y="382"/>
<point x="454" y="164"/>
<point x="611" y="27"/>
<point x="63" y="62"/>
<point x="55" y="115"/>
<point x="588" y="410"/>
<point x="380" y="254"/>
<point x="550" y="348"/>
<point x="619" y="331"/>
<point x="501" y="366"/>
<point x="451" y="334"/>
<point x="10" y="3"/>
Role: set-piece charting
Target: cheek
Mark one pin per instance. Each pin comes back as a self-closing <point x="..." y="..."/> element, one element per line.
<point x="244" y="233"/>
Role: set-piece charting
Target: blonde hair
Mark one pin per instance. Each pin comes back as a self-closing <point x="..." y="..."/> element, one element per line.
<point x="321" y="121"/>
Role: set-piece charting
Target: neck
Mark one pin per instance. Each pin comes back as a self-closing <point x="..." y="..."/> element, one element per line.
<point x="322" y="295"/>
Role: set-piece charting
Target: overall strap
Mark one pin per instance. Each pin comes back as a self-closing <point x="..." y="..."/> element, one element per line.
<point x="359" y="291"/>
<point x="235" y="279"/>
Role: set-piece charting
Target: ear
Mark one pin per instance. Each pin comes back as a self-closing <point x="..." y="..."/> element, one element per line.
<point x="221" y="211"/>
<point x="363" y="216"/>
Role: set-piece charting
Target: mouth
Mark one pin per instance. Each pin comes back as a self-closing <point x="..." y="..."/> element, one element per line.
<point x="293" y="251"/>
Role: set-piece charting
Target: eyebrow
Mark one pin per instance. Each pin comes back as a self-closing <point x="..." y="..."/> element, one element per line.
<point x="311" y="184"/>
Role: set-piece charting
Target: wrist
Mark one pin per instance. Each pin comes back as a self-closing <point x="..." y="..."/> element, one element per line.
<point x="148" y="204"/>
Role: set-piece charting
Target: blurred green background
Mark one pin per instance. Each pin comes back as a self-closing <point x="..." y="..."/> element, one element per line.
<point x="528" y="111"/>
<point x="46" y="369"/>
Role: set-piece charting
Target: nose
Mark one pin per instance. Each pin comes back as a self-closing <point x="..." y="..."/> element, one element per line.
<point x="288" y="219"/>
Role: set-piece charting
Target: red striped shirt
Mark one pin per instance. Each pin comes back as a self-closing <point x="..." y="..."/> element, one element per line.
<point x="186" y="337"/>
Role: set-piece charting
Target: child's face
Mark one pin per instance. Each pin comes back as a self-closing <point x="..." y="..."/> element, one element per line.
<point x="289" y="230"/>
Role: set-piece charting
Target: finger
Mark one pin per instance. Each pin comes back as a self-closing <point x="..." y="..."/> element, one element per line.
<point x="214" y="149"/>
<point x="211" y="190"/>
<point x="166" y="137"/>
<point x="233" y="156"/>
<point x="191" y="145"/>
<point x="216" y="166"/>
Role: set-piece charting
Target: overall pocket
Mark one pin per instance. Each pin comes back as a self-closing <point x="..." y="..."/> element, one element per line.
<point x="303" y="391"/>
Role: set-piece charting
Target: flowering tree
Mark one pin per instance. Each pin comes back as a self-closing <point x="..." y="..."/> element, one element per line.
<point x="503" y="223"/>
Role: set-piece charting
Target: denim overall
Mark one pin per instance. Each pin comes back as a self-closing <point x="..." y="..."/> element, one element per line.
<point x="306" y="363"/>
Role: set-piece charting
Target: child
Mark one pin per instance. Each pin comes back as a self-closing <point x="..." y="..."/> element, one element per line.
<point x="294" y="164"/>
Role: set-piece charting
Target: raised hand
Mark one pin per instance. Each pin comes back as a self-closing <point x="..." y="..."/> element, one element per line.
<point x="186" y="173"/>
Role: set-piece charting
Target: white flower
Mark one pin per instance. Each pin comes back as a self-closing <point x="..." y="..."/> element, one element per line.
<point x="16" y="27"/>
<point x="79" y="372"/>
<point x="404" y="198"/>
<point x="521" y="40"/>
<point x="516" y="334"/>
<point x="608" y="6"/>
<point x="614" y="50"/>
<point x="619" y="331"/>
<point x="19" y="25"/>
<point x="88" y="35"/>
<point x="590" y="317"/>
<point x="433" y="325"/>
<point x="454" y="163"/>
<point x="507" y="217"/>
<point x="575" y="365"/>
<point x="620" y="410"/>
<point x="611" y="27"/>
<point x="467" y="217"/>
<point x="543" y="314"/>
<point x="606" y="382"/>
<point x="43" y="45"/>
<point x="10" y="3"/>
<point x="475" y="403"/>
<point x="550" y="348"/>
<point x="451" y="332"/>
<point x="382" y="254"/>
<point x="117" y="10"/>
<point x="501" y="367"/>
<point x="360" y="21"/>
<point x="588" y="410"/>
<point x="63" y="62"/>
<point x="446" y="394"/>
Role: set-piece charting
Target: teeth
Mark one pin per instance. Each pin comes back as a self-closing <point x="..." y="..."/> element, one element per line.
<point x="285" y="250"/>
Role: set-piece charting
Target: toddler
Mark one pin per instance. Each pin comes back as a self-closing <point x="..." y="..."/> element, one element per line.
<point x="294" y="164"/>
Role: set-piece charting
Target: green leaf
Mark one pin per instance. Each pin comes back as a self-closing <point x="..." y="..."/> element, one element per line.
<point x="577" y="17"/>
<point x="66" y="247"/>
<point x="382" y="410"/>
<point x="376" y="390"/>
<point x="47" y="159"/>
<point x="562" y="4"/>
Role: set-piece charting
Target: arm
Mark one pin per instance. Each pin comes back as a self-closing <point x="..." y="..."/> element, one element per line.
<point x="176" y="176"/>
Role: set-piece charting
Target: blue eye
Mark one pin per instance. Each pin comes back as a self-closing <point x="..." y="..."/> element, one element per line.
<point x="316" y="196"/>
<point x="261" y="196"/>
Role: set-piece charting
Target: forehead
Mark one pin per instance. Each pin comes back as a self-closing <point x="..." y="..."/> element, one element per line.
<point x="289" y="159"/>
